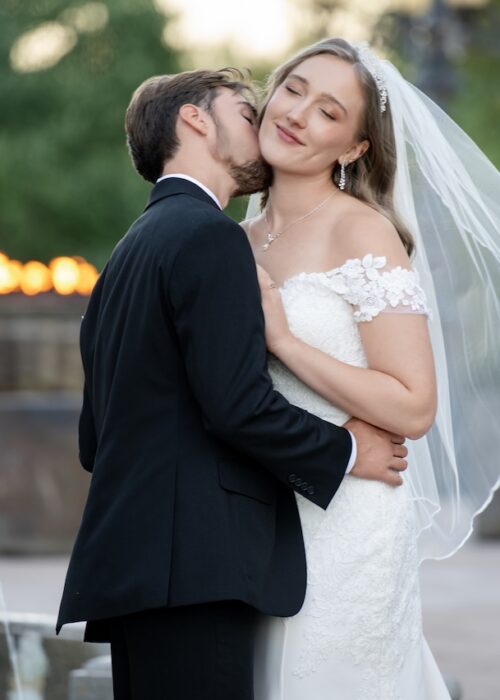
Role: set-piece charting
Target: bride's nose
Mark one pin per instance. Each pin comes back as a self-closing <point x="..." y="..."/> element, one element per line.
<point x="297" y="116"/>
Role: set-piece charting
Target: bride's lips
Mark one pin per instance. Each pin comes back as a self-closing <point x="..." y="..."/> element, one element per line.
<point x="288" y="136"/>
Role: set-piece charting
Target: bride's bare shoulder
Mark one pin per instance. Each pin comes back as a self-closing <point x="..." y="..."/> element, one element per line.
<point x="361" y="229"/>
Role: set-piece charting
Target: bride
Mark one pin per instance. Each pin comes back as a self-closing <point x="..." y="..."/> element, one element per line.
<point x="352" y="333"/>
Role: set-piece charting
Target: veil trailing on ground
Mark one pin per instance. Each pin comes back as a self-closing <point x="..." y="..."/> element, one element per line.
<point x="448" y="193"/>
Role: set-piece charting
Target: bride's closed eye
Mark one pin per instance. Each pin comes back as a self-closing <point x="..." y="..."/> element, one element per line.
<point x="289" y="89"/>
<point x="327" y="114"/>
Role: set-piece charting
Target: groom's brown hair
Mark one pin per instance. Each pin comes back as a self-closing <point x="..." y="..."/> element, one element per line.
<point x="151" y="117"/>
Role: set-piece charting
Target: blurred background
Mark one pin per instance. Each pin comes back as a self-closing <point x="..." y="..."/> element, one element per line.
<point x="67" y="73"/>
<point x="68" y="193"/>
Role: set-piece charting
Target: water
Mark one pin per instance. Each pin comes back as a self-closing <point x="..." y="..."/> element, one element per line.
<point x="17" y="693"/>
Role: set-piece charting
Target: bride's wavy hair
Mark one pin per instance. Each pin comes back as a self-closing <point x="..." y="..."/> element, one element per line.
<point x="371" y="177"/>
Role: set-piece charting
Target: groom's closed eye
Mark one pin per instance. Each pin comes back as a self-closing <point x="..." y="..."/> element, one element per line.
<point x="250" y="115"/>
<point x="249" y="112"/>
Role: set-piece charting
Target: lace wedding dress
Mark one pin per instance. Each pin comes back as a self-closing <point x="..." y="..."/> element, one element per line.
<point x="359" y="634"/>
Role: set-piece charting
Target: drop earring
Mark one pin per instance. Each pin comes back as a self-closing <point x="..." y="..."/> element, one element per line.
<point x="342" y="179"/>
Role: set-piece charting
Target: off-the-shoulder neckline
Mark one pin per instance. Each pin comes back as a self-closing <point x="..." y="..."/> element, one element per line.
<point x="367" y="261"/>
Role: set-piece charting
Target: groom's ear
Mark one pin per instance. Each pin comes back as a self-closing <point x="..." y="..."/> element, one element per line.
<point x="194" y="117"/>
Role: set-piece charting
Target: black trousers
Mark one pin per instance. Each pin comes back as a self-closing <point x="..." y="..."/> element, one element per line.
<point x="198" y="652"/>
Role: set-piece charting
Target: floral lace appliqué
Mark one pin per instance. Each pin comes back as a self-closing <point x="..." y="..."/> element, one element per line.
<point x="367" y="285"/>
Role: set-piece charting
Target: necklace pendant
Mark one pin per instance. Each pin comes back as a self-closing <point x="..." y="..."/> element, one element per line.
<point x="270" y="239"/>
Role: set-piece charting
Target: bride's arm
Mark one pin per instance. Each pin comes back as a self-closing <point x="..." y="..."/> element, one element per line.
<point x="397" y="391"/>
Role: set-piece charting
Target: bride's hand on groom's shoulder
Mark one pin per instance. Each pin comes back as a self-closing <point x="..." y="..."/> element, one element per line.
<point x="381" y="456"/>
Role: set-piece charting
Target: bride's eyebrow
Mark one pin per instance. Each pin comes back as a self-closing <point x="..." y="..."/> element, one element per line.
<point x="326" y="95"/>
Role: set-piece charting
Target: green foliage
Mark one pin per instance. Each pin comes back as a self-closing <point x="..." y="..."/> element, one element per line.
<point x="477" y="107"/>
<point x="67" y="185"/>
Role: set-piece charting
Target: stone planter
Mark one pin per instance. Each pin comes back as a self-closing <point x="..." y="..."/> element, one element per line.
<point x="44" y="660"/>
<point x="93" y="681"/>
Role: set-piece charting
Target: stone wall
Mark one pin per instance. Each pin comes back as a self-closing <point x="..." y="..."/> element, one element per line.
<point x="39" y="342"/>
<point x="42" y="486"/>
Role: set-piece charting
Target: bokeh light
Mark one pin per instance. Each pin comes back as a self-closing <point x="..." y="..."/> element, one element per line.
<point x="42" y="47"/>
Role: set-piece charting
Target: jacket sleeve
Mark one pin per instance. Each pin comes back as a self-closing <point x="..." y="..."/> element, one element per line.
<point x="215" y="297"/>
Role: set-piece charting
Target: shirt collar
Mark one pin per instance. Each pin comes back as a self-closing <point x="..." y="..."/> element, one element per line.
<point x="195" y="182"/>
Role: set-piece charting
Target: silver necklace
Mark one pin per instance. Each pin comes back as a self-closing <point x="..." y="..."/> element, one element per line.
<point x="271" y="237"/>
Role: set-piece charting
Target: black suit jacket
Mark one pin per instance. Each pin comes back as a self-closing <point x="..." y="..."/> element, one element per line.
<point x="194" y="456"/>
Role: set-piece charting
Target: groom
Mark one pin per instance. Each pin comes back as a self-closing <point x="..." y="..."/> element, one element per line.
<point x="191" y="525"/>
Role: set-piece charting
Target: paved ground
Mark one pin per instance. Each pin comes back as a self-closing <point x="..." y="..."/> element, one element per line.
<point x="461" y="598"/>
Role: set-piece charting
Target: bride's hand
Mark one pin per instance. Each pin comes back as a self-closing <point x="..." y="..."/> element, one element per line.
<point x="277" y="330"/>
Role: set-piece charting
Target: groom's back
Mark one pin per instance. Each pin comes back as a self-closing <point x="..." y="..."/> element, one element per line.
<point x="128" y="339"/>
<point x="142" y="433"/>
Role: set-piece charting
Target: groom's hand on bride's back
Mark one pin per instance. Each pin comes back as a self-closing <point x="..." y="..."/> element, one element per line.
<point x="381" y="456"/>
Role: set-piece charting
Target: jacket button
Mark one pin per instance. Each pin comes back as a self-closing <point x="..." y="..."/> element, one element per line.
<point x="310" y="490"/>
<point x="298" y="482"/>
<point x="304" y="486"/>
<point x="292" y="478"/>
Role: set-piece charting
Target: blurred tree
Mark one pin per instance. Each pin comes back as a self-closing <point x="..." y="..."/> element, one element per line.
<point x="67" y="185"/>
<point x="476" y="107"/>
<point x="469" y="59"/>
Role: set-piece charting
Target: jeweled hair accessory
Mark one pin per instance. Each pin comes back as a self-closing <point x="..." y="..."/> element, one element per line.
<point x="373" y="66"/>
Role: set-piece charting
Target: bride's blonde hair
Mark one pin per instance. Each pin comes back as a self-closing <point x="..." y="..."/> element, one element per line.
<point x="371" y="177"/>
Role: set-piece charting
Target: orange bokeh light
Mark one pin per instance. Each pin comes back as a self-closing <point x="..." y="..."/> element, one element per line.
<point x="35" y="278"/>
<point x="87" y="278"/>
<point x="10" y="275"/>
<point x="65" y="275"/>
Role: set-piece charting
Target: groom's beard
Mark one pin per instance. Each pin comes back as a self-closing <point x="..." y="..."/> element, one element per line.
<point x="254" y="176"/>
<point x="250" y="177"/>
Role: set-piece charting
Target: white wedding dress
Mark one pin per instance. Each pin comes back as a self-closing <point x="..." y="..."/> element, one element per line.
<point x="359" y="634"/>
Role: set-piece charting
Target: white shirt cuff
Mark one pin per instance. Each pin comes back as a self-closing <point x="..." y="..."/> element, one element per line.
<point x="354" y="454"/>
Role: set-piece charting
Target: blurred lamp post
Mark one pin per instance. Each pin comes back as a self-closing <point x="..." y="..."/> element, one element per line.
<point x="439" y="37"/>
